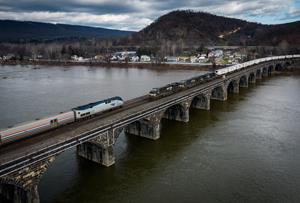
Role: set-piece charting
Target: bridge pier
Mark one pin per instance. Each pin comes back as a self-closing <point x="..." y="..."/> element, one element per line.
<point x="95" y="152"/>
<point x="22" y="186"/>
<point x="100" y="150"/>
<point x="148" y="127"/>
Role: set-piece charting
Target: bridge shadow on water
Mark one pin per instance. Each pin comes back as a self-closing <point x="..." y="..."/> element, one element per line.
<point x="137" y="158"/>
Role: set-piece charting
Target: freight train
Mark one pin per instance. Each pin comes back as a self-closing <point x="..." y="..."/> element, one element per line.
<point x="32" y="128"/>
<point x="172" y="88"/>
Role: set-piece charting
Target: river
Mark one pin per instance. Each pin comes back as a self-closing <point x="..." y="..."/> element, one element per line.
<point x="245" y="149"/>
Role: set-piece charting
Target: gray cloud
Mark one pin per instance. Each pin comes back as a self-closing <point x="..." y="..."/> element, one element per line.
<point x="136" y="14"/>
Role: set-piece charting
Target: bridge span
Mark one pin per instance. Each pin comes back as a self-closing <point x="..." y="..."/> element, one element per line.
<point x="23" y="163"/>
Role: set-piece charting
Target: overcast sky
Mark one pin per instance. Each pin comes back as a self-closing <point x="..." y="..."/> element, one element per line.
<point x="136" y="14"/>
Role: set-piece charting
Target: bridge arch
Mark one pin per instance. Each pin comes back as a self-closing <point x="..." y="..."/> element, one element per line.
<point x="233" y="86"/>
<point x="258" y="73"/>
<point x="279" y="67"/>
<point x="287" y="63"/>
<point x="177" y="112"/>
<point x="243" y="81"/>
<point x="22" y="185"/>
<point x="270" y="70"/>
<point x="219" y="93"/>
<point x="265" y="71"/>
<point x="252" y="77"/>
<point x="13" y="191"/>
<point x="201" y="101"/>
<point x="147" y="127"/>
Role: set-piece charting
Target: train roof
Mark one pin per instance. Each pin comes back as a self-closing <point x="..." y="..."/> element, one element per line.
<point x="91" y="105"/>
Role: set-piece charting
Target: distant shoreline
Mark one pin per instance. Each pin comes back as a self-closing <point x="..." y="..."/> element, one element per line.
<point x="181" y="66"/>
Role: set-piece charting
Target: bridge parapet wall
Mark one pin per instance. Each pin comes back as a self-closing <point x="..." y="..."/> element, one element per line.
<point x="22" y="186"/>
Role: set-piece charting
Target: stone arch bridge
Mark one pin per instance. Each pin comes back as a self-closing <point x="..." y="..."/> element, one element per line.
<point x="22" y="164"/>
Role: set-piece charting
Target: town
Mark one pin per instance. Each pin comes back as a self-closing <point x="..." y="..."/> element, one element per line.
<point x="221" y="56"/>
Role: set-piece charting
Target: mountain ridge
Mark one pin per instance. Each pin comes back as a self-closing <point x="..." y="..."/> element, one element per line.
<point x="23" y="31"/>
<point x="195" y="28"/>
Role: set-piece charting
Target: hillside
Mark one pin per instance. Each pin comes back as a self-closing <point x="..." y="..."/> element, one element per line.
<point x="188" y="28"/>
<point x="20" y="31"/>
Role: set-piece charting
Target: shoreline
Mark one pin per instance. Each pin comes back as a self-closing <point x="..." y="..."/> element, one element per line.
<point x="160" y="66"/>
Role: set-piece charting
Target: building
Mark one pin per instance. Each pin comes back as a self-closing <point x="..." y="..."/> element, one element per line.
<point x="99" y="58"/>
<point x="145" y="58"/>
<point x="194" y="59"/>
<point x="171" y="59"/>
<point x="8" y="57"/>
<point x="135" y="59"/>
<point x="78" y="58"/>
<point x="185" y="59"/>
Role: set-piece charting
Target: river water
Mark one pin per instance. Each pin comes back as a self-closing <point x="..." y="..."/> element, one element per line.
<point x="245" y="149"/>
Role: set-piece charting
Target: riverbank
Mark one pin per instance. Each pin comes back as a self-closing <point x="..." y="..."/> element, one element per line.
<point x="165" y="66"/>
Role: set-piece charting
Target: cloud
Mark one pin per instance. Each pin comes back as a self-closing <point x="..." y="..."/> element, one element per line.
<point x="292" y="14"/>
<point x="136" y="14"/>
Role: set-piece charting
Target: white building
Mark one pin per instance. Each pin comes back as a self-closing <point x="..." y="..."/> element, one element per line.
<point x="145" y="58"/>
<point x="122" y="55"/>
<point x="202" y="59"/>
<point x="171" y="59"/>
<point x="135" y="59"/>
<point x="194" y="59"/>
<point x="77" y="58"/>
<point x="216" y="53"/>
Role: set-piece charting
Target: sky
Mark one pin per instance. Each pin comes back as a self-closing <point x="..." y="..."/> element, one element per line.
<point x="137" y="14"/>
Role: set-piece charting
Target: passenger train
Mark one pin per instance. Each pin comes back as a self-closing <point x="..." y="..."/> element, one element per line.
<point x="28" y="129"/>
<point x="86" y="111"/>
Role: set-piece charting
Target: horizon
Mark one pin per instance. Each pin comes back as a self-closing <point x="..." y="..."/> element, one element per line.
<point x="91" y="26"/>
<point x="134" y="15"/>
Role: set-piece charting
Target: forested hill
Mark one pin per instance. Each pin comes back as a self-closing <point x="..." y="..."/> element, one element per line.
<point x="194" y="28"/>
<point x="23" y="31"/>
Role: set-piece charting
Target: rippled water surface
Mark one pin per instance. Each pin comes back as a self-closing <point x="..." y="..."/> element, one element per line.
<point x="243" y="150"/>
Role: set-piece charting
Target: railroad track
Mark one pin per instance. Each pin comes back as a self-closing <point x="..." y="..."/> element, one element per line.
<point x="39" y="137"/>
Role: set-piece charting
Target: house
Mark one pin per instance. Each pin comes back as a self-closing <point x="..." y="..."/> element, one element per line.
<point x="171" y="59"/>
<point x="216" y="53"/>
<point x="194" y="59"/>
<point x="74" y="57"/>
<point x="123" y="55"/>
<point x="183" y="59"/>
<point x="202" y="59"/>
<point x="114" y="58"/>
<point x="99" y="58"/>
<point x="78" y="58"/>
<point x="9" y="57"/>
<point x="145" y="58"/>
<point x="134" y="58"/>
